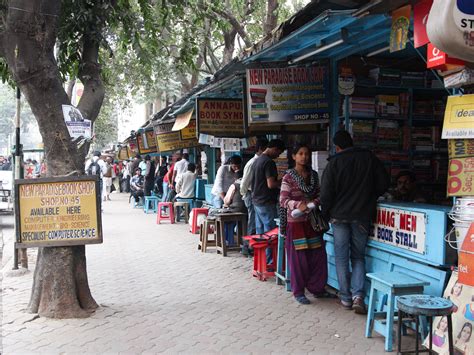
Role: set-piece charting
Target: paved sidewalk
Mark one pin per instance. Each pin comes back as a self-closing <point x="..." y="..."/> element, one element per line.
<point x="159" y="294"/>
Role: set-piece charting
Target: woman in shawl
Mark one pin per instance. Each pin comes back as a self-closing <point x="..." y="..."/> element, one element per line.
<point x="305" y="249"/>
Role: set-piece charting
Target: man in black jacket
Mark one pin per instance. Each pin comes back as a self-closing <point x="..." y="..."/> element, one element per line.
<point x="352" y="182"/>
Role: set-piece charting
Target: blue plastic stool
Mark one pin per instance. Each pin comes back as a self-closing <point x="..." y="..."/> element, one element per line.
<point x="135" y="204"/>
<point x="153" y="201"/>
<point x="282" y="277"/>
<point x="390" y="284"/>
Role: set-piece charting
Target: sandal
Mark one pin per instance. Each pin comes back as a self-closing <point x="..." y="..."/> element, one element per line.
<point x="324" y="294"/>
<point x="302" y="300"/>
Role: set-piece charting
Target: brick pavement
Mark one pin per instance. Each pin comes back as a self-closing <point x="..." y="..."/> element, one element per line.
<point x="159" y="294"/>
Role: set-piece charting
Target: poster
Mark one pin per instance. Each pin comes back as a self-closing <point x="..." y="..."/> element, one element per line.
<point x="75" y="123"/>
<point x="466" y="257"/>
<point x="400" y="228"/>
<point x="459" y="117"/>
<point x="463" y="320"/>
<point x="220" y="117"/>
<point x="420" y="17"/>
<point x="288" y="95"/>
<point x="167" y="140"/>
<point x="400" y="28"/>
<point x="461" y="177"/>
<point x="58" y="211"/>
<point x="146" y="142"/>
<point x="461" y="148"/>
<point x="230" y="144"/>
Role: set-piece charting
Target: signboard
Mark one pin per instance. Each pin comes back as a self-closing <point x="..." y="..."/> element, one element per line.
<point x="132" y="147"/>
<point x="146" y="142"/>
<point x="123" y="153"/>
<point x="461" y="177"/>
<point x="189" y="132"/>
<point x="220" y="117"/>
<point x="400" y="228"/>
<point x="459" y="117"/>
<point x="54" y="212"/>
<point x="437" y="59"/>
<point x="466" y="261"/>
<point x="400" y="27"/>
<point x="420" y="17"/>
<point x="75" y="123"/>
<point x="463" y="13"/>
<point x="461" y="148"/>
<point x="288" y="95"/>
<point x="167" y="140"/>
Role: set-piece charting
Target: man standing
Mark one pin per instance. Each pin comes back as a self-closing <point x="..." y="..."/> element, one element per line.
<point x="351" y="183"/>
<point x="186" y="183"/>
<point x="266" y="187"/>
<point x="226" y="176"/>
<point x="246" y="184"/>
<point x="180" y="167"/>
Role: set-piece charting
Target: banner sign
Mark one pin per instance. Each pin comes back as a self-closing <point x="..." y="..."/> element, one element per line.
<point x="123" y="153"/>
<point x="420" y="17"/>
<point x="400" y="228"/>
<point x="466" y="261"/>
<point x="459" y="117"/>
<point x="167" y="140"/>
<point x="400" y="27"/>
<point x="133" y="147"/>
<point x="461" y="177"/>
<point x="288" y="95"/>
<point x="461" y="148"/>
<point x="75" y="123"/>
<point x="220" y="117"/>
<point x="146" y="142"/>
<point x="54" y="212"/>
<point x="189" y="132"/>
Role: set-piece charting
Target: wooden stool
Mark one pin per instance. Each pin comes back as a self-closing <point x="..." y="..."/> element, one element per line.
<point x="282" y="276"/>
<point x="161" y="213"/>
<point x="185" y="206"/>
<point x="188" y="200"/>
<point x="221" y="219"/>
<point x="428" y="306"/>
<point x="390" y="284"/>
<point x="204" y="233"/>
<point x="196" y="212"/>
<point x="153" y="201"/>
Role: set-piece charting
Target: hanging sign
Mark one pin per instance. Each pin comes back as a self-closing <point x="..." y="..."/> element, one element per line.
<point x="76" y="125"/>
<point x="400" y="28"/>
<point x="58" y="211"/>
<point x="167" y="140"/>
<point x="459" y="117"/>
<point x="189" y="132"/>
<point x="220" y="117"/>
<point x="461" y="177"/>
<point x="182" y="120"/>
<point x="123" y="153"/>
<point x="466" y="259"/>
<point x="400" y="228"/>
<point x="146" y="142"/>
<point x="288" y="95"/>
<point x="461" y="148"/>
<point x="420" y="17"/>
<point x="346" y="81"/>
<point x="437" y="59"/>
<point x="463" y="13"/>
<point x="133" y="147"/>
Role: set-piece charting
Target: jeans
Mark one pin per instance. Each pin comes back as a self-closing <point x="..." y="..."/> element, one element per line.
<point x="251" y="214"/>
<point x="350" y="240"/>
<point x="217" y="201"/>
<point x="165" y="191"/>
<point x="265" y="221"/>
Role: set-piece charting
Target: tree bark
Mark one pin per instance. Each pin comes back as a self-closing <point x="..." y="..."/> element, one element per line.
<point x="271" y="19"/>
<point x="60" y="287"/>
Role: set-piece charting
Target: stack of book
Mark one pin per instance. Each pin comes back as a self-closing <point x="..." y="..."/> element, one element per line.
<point x="385" y="77"/>
<point x="413" y="79"/>
<point x="388" y="106"/>
<point x="361" y="107"/>
<point x="399" y="161"/>
<point x="363" y="133"/>
<point x="422" y="139"/>
<point x="282" y="164"/>
<point x="388" y="134"/>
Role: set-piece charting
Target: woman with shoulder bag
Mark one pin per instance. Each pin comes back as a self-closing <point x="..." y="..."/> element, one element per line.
<point x="306" y="253"/>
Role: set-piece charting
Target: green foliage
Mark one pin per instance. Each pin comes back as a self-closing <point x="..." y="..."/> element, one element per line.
<point x="105" y="126"/>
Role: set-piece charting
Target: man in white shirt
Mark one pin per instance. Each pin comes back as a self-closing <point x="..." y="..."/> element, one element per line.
<point x="226" y="176"/>
<point x="180" y="167"/>
<point x="185" y="185"/>
<point x="246" y="184"/>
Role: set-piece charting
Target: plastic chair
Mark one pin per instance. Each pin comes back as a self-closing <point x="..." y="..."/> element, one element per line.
<point x="194" y="229"/>
<point x="161" y="212"/>
<point x="150" y="201"/>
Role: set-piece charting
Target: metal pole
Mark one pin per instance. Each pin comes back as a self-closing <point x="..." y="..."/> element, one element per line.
<point x="17" y="166"/>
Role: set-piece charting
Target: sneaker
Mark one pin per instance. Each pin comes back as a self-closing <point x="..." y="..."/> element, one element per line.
<point x="358" y="305"/>
<point x="302" y="300"/>
<point x="346" y="305"/>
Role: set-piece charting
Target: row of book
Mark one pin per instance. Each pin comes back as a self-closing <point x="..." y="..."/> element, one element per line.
<point x="400" y="78"/>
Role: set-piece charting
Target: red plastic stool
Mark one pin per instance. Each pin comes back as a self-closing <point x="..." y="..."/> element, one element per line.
<point x="196" y="212"/>
<point x="260" y="243"/>
<point x="161" y="216"/>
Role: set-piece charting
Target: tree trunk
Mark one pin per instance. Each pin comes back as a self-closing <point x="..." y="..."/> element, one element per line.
<point x="60" y="286"/>
<point x="271" y="19"/>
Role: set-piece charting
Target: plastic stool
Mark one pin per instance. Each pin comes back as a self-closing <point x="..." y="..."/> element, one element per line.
<point x="391" y="284"/>
<point x="153" y="201"/>
<point x="177" y="206"/>
<point x="260" y="267"/>
<point x="134" y="203"/>
<point x="162" y="216"/>
<point x="188" y="200"/>
<point x="428" y="306"/>
<point x="282" y="277"/>
<point x="204" y="233"/>
<point x="196" y="212"/>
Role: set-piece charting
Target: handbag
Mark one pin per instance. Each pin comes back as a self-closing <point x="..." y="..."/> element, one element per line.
<point x="318" y="222"/>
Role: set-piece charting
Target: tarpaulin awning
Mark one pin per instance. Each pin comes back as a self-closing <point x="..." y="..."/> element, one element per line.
<point x="182" y="120"/>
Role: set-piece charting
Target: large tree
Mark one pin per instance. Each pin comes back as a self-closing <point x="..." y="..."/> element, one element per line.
<point x="43" y="43"/>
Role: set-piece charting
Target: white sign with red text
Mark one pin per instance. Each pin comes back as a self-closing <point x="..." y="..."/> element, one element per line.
<point x="400" y="228"/>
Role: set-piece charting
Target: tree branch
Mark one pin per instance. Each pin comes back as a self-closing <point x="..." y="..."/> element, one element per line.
<point x="236" y="25"/>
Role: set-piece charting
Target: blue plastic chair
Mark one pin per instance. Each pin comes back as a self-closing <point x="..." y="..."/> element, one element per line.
<point x="151" y="204"/>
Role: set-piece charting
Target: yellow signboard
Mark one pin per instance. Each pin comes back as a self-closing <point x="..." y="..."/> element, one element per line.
<point x="58" y="211"/>
<point x="459" y="117"/>
<point x="146" y="142"/>
<point x="189" y="132"/>
<point x="461" y="148"/>
<point x="168" y="140"/>
<point x="461" y="177"/>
